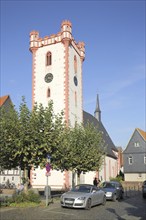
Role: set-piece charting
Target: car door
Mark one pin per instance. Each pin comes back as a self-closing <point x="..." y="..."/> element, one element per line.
<point x="96" y="195"/>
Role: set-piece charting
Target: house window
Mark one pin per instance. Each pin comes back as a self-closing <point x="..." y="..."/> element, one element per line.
<point x="75" y="64"/>
<point x="12" y="178"/>
<point x="136" y="144"/>
<point x="139" y="175"/>
<point x="48" y="59"/>
<point x="130" y="160"/>
<point x="144" y="159"/>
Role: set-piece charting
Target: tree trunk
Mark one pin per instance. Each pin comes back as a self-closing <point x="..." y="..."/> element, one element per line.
<point x="26" y="180"/>
<point x="78" y="177"/>
<point x="73" y="178"/>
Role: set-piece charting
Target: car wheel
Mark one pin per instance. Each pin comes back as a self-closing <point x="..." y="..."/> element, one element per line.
<point x="104" y="200"/>
<point x="88" y="204"/>
<point x="122" y="195"/>
<point x="114" y="197"/>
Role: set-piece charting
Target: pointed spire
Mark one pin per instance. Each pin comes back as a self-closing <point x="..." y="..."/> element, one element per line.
<point x="97" y="113"/>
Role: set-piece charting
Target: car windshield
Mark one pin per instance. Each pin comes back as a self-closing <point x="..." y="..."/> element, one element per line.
<point x="85" y="189"/>
<point x="108" y="185"/>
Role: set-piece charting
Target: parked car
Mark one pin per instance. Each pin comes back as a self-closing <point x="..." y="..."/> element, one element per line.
<point x="83" y="196"/>
<point x="113" y="190"/>
<point x="144" y="189"/>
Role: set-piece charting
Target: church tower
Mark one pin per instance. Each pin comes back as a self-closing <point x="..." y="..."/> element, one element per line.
<point x="57" y="72"/>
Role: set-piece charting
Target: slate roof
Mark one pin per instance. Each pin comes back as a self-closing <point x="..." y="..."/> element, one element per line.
<point x="110" y="147"/>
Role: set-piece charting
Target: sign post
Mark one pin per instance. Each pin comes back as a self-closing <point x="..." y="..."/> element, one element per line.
<point x="47" y="189"/>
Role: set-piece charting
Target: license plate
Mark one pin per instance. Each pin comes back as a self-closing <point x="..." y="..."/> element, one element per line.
<point x="69" y="202"/>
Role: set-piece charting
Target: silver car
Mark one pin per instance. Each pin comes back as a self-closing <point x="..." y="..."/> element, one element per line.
<point x="83" y="196"/>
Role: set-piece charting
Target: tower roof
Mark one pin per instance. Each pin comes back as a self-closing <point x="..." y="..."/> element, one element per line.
<point x="97" y="109"/>
<point x="97" y="113"/>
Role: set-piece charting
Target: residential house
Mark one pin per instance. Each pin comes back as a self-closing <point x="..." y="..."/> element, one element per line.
<point x="135" y="157"/>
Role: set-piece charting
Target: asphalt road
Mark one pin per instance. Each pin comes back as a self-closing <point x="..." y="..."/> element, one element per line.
<point x="131" y="208"/>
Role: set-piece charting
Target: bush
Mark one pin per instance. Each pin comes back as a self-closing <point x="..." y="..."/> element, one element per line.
<point x="30" y="196"/>
<point x="118" y="178"/>
<point x="33" y="197"/>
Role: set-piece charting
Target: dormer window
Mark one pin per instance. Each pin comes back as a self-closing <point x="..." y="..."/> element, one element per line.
<point x="136" y="144"/>
<point x="48" y="59"/>
<point x="144" y="159"/>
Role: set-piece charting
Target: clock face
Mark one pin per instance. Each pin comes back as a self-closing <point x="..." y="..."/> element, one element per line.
<point x="75" y="81"/>
<point x="48" y="77"/>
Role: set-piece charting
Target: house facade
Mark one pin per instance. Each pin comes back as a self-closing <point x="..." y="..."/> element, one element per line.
<point x="134" y="157"/>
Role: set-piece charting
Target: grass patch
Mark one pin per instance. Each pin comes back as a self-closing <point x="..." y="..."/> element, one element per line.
<point x="23" y="204"/>
<point x="28" y="199"/>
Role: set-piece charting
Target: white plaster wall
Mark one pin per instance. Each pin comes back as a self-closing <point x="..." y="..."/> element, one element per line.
<point x="57" y="69"/>
<point x="55" y="180"/>
<point x="135" y="177"/>
<point x="75" y="112"/>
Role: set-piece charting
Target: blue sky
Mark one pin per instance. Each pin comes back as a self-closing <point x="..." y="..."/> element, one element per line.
<point x="114" y="67"/>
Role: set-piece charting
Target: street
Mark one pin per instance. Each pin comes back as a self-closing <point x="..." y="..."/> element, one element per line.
<point x="131" y="208"/>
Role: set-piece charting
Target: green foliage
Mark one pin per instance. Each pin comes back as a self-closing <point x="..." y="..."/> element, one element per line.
<point x="30" y="196"/>
<point x="28" y="136"/>
<point x="118" y="178"/>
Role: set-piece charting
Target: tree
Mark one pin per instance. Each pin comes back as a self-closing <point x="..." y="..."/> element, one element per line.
<point x="81" y="149"/>
<point x="88" y="148"/>
<point x="8" y="135"/>
<point x="28" y="136"/>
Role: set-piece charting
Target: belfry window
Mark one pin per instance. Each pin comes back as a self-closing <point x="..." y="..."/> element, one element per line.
<point x="48" y="93"/>
<point x="76" y="99"/>
<point x="48" y="59"/>
<point x="75" y="64"/>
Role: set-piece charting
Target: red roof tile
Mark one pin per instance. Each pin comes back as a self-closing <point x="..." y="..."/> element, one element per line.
<point x="3" y="99"/>
<point x="142" y="133"/>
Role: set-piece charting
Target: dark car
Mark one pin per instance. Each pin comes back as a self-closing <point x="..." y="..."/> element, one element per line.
<point x="144" y="189"/>
<point x="113" y="190"/>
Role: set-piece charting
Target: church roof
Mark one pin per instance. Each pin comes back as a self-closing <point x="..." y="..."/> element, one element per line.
<point x="110" y="147"/>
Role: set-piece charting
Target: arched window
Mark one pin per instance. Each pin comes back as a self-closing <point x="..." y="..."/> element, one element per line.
<point x="48" y="93"/>
<point x="48" y="59"/>
<point x="75" y="64"/>
<point x="75" y="98"/>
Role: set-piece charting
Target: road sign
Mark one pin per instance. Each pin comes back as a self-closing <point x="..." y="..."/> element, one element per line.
<point x="48" y="167"/>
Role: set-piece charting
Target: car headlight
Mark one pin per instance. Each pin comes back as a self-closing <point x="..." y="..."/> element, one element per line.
<point x="109" y="193"/>
<point x="81" y="198"/>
